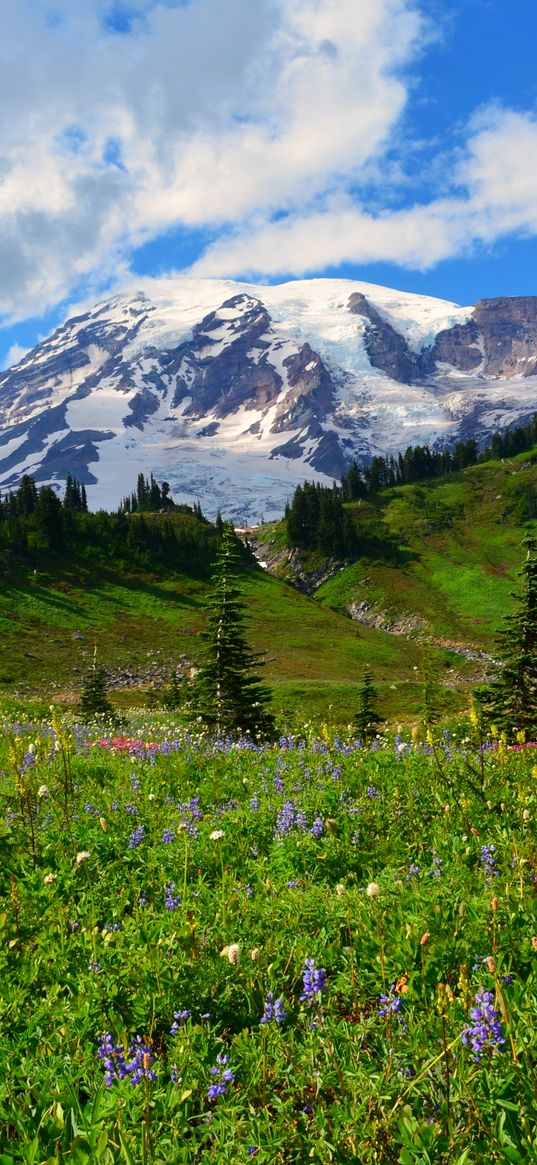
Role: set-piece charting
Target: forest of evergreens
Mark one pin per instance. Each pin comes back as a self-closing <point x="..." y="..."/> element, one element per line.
<point x="36" y="523"/>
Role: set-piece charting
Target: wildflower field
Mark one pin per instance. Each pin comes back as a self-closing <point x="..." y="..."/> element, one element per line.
<point x="308" y="951"/>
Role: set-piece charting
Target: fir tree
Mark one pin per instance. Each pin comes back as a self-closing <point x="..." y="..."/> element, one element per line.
<point x="510" y="701"/>
<point x="94" y="699"/>
<point x="226" y="694"/>
<point x="367" y="718"/>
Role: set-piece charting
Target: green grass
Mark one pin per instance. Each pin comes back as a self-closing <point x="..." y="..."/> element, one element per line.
<point x="440" y="561"/>
<point x="462" y="543"/>
<point x="165" y="896"/>
<point x="50" y="625"/>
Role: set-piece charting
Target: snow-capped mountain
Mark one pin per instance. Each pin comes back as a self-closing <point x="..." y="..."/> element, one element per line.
<point x="234" y="393"/>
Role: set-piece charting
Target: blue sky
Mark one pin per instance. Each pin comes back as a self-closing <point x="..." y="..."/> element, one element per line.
<point x="393" y="141"/>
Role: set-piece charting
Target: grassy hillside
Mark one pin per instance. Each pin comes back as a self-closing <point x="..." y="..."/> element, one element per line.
<point x="459" y="544"/>
<point x="439" y="562"/>
<point x="144" y="623"/>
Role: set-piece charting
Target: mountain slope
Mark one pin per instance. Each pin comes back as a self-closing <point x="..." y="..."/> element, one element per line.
<point x="234" y="393"/>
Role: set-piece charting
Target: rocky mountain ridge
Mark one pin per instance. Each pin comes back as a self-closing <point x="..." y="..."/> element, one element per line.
<point x="234" y="393"/>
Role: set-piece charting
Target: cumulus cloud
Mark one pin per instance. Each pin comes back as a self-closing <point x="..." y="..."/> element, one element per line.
<point x="15" y="353"/>
<point x="125" y="121"/>
<point x="263" y="123"/>
<point x="495" y="193"/>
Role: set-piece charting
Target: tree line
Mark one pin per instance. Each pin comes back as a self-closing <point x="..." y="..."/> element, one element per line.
<point x="151" y="498"/>
<point x="420" y="462"/>
<point x="35" y="523"/>
<point x="316" y="516"/>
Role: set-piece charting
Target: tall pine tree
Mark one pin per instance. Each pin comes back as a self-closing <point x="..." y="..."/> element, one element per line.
<point x="227" y="696"/>
<point x="367" y="719"/>
<point x="510" y="701"/>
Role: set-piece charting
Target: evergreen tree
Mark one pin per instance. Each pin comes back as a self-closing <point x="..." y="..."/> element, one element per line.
<point x="48" y="517"/>
<point x="510" y="701"/>
<point x="94" y="699"/>
<point x="431" y="691"/>
<point x="226" y="695"/>
<point x="367" y="718"/>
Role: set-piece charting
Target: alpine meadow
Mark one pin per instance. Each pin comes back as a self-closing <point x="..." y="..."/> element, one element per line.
<point x="268" y="582"/>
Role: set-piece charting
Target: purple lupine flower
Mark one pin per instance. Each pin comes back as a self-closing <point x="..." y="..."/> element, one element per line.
<point x="273" y="1010"/>
<point x="142" y="1059"/>
<point x="372" y="792"/>
<point x="301" y="820"/>
<point x="168" y="836"/>
<point x="118" y="1067"/>
<point x="254" y="803"/>
<point x="413" y="871"/>
<point x="171" y="900"/>
<point x="436" y="870"/>
<point x="285" y="820"/>
<point x="314" y="981"/>
<point x="137" y="837"/>
<point x="485" y="1032"/>
<point x="177" y="1016"/>
<point x="224" y="1076"/>
<point x="391" y="1004"/>
<point x="317" y="828"/>
<point x="113" y="1057"/>
<point x="488" y="859"/>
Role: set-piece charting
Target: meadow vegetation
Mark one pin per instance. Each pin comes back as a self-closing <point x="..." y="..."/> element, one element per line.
<point x="303" y="942"/>
<point x="308" y="950"/>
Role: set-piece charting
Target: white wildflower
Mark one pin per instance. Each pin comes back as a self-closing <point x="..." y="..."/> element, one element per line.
<point x="43" y="791"/>
<point x="373" y="890"/>
<point x="232" y="953"/>
<point x="49" y="879"/>
<point x="216" y="835"/>
<point x="82" y="856"/>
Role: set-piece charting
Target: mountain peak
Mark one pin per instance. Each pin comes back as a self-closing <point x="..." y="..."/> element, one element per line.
<point x="235" y="392"/>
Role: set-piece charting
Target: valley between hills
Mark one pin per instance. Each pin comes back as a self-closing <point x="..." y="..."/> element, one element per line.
<point x="426" y="594"/>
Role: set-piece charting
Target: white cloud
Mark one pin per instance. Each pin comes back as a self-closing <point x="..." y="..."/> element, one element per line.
<point x="496" y="194"/>
<point x="204" y="114"/>
<point x="262" y="121"/>
<point x="15" y="353"/>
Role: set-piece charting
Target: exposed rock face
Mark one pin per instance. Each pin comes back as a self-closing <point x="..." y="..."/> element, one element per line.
<point x="500" y="340"/>
<point x="460" y="346"/>
<point x="225" y="365"/>
<point x="509" y="330"/>
<point x="386" y="349"/>
<point x="235" y="393"/>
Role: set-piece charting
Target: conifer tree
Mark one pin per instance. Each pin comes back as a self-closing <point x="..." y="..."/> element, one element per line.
<point x="227" y="696"/>
<point x="367" y="718"/>
<point x="510" y="701"/>
<point x="94" y="700"/>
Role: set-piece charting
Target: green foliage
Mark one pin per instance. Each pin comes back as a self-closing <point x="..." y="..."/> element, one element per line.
<point x="316" y="520"/>
<point x="227" y="696"/>
<point x="249" y="863"/>
<point x="367" y="719"/>
<point x="36" y="524"/>
<point x="94" y="700"/>
<point x="510" y="701"/>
